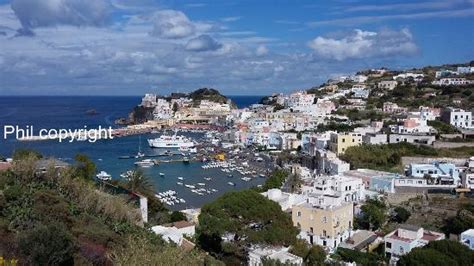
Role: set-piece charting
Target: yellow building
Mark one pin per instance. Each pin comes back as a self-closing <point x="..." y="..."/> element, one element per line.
<point x="339" y="142"/>
<point x="327" y="226"/>
<point x="220" y="157"/>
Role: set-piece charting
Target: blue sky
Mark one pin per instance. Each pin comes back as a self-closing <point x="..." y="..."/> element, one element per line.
<point x="127" y="47"/>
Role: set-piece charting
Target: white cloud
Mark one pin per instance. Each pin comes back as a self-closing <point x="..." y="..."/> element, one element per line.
<point x="43" y="13"/>
<point x="365" y="44"/>
<point x="202" y="43"/>
<point x="172" y="24"/>
<point x="261" y="50"/>
<point x="230" y="19"/>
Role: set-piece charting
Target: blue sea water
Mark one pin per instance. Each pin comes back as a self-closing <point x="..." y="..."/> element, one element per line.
<point x="70" y="113"/>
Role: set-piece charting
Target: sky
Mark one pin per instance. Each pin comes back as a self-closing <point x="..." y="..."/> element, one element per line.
<point x="248" y="47"/>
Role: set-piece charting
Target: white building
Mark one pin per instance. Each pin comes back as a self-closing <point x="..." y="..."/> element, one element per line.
<point x="452" y="81"/>
<point x="299" y="99"/>
<point x="346" y="189"/>
<point x="285" y="200"/>
<point x="175" y="232"/>
<point x="407" y="237"/>
<point x="359" y="78"/>
<point x="465" y="70"/>
<point x="256" y="254"/>
<point x="415" y="76"/>
<point x="375" y="138"/>
<point x="467" y="238"/>
<point x="387" y="84"/>
<point x="162" y="110"/>
<point x="457" y="117"/>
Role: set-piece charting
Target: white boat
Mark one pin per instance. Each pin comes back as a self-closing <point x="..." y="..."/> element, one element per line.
<point x="104" y="176"/>
<point x="230" y="183"/>
<point x="246" y="179"/>
<point x="175" y="141"/>
<point x="207" y="178"/>
<point x="145" y="163"/>
<point x="127" y="174"/>
<point x="189" y="186"/>
<point x="180" y="178"/>
<point x="162" y="174"/>
<point x="179" y="183"/>
<point x="201" y="184"/>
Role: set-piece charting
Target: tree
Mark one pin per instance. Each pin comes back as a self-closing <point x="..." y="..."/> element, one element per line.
<point x="446" y="251"/>
<point x="84" y="167"/>
<point x="373" y="215"/>
<point x="138" y="182"/>
<point x="21" y="154"/>
<point x="177" y="216"/>
<point x="463" y="220"/>
<point x="249" y="216"/>
<point x="175" y="107"/>
<point x="401" y="215"/>
<point x="47" y="245"/>
<point x="316" y="256"/>
<point x="276" y="180"/>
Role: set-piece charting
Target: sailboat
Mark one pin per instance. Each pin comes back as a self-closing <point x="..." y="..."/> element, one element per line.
<point x="140" y="154"/>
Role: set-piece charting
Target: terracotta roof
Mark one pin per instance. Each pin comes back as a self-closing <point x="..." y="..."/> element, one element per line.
<point x="182" y="224"/>
<point x="5" y="166"/>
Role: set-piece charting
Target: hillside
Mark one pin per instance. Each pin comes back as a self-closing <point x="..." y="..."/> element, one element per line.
<point x="61" y="216"/>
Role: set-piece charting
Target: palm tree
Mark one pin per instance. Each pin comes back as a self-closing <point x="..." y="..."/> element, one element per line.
<point x="137" y="181"/>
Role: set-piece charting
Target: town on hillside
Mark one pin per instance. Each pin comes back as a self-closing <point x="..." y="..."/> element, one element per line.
<point x="375" y="168"/>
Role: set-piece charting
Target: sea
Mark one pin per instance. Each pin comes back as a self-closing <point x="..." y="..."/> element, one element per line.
<point x="69" y="112"/>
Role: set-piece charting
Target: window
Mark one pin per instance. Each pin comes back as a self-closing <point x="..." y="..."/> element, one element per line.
<point x="343" y="140"/>
<point x="388" y="245"/>
<point x="298" y="214"/>
<point x="324" y="233"/>
<point x="311" y="230"/>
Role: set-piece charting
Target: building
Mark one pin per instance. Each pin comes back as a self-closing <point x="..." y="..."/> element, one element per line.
<point x="374" y="138"/>
<point x="465" y="70"/>
<point x="413" y="138"/>
<point x="175" y="232"/>
<point x="452" y="82"/>
<point x="387" y="84"/>
<point x="327" y="163"/>
<point x="414" y="76"/>
<point x="281" y="254"/>
<point x="389" y="107"/>
<point x="445" y="73"/>
<point x="467" y="238"/>
<point x="325" y="225"/>
<point x="414" y="124"/>
<point x="446" y="173"/>
<point x="407" y="237"/>
<point x="285" y="200"/>
<point x="457" y="117"/>
<point x="362" y="240"/>
<point x="339" y="142"/>
<point x="339" y="188"/>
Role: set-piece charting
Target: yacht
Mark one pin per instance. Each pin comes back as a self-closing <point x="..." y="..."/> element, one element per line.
<point x="145" y="163"/>
<point x="175" y="141"/>
<point x="230" y="183"/>
<point x="162" y="174"/>
<point x="104" y="176"/>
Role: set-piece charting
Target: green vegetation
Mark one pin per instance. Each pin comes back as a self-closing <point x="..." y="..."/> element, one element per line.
<point x="84" y="167"/>
<point x="373" y="216"/>
<point x="276" y="180"/>
<point x="26" y="153"/>
<point x="361" y="258"/>
<point x="387" y="157"/>
<point x="207" y="94"/>
<point x="463" y="220"/>
<point x="400" y="215"/>
<point x="312" y="255"/>
<point x="442" y="127"/>
<point x="446" y="251"/>
<point x="246" y="216"/>
<point x="58" y="218"/>
<point x="177" y="216"/>
<point x="357" y="115"/>
<point x="333" y="126"/>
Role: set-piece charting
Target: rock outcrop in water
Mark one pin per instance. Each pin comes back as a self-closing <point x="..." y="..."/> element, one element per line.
<point x="141" y="114"/>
